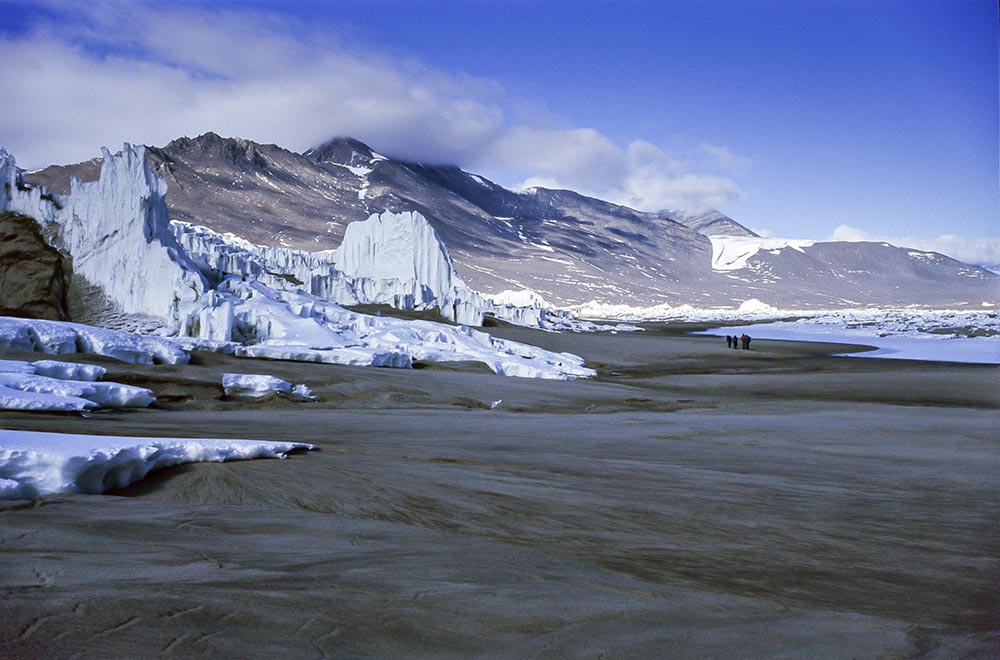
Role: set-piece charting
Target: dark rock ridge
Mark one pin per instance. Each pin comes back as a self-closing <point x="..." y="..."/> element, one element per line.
<point x="567" y="247"/>
<point x="710" y="223"/>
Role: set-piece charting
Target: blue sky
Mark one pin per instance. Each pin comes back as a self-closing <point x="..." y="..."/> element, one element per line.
<point x="803" y="118"/>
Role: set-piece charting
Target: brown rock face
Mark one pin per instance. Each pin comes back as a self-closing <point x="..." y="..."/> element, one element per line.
<point x="32" y="278"/>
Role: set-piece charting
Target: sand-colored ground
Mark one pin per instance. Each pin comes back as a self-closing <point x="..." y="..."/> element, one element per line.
<point x="691" y="501"/>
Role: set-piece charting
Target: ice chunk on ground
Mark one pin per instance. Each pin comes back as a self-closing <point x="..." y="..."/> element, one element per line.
<point x="69" y="370"/>
<point x="15" y="399"/>
<point x="260" y="385"/>
<point x="28" y="391"/>
<point x="301" y="390"/>
<point x="60" y="338"/>
<point x="34" y="464"/>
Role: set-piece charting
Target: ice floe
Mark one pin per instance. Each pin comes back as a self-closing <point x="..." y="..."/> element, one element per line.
<point x="34" y="464"/>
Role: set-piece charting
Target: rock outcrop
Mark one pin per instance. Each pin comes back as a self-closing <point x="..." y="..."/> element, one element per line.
<point x="32" y="277"/>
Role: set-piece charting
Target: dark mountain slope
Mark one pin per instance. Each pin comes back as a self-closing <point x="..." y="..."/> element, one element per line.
<point x="568" y="247"/>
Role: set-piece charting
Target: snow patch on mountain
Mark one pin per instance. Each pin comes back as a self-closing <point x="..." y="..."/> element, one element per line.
<point x="731" y="253"/>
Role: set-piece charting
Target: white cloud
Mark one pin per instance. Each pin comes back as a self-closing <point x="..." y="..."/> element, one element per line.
<point x="582" y="158"/>
<point x="979" y="251"/>
<point x="147" y="74"/>
<point x="642" y="176"/>
<point x="723" y="158"/>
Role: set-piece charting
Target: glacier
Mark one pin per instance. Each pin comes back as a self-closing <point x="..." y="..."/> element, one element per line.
<point x="393" y="259"/>
<point x="217" y="292"/>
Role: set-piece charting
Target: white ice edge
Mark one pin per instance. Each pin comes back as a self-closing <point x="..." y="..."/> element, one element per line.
<point x="33" y="464"/>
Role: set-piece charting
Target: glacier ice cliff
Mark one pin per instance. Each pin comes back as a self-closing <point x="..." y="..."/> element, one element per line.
<point x="16" y="196"/>
<point x="224" y="293"/>
<point x="117" y="231"/>
<point x="393" y="259"/>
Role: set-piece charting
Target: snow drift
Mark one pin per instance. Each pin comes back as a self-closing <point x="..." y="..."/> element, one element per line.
<point x="34" y="464"/>
<point x="62" y="386"/>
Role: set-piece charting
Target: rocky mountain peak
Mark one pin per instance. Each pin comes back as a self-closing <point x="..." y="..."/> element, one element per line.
<point x="710" y="222"/>
<point x="342" y="151"/>
<point x="237" y="151"/>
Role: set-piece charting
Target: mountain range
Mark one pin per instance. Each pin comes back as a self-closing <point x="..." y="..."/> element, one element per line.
<point x="567" y="247"/>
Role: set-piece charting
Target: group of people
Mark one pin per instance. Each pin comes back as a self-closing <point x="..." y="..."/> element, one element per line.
<point x="734" y="341"/>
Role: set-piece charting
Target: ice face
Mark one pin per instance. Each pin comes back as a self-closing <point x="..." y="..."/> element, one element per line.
<point x="31" y="201"/>
<point x="117" y="231"/>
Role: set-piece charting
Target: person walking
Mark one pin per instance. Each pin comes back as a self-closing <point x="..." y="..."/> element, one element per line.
<point x="729" y="341"/>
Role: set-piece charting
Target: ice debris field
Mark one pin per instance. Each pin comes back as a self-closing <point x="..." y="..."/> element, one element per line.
<point x="34" y="464"/>
<point x="343" y="337"/>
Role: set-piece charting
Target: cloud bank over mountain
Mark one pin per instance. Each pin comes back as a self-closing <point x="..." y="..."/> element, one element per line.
<point x="105" y="73"/>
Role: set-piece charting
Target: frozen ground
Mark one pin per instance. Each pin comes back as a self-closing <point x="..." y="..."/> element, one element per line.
<point x="688" y="501"/>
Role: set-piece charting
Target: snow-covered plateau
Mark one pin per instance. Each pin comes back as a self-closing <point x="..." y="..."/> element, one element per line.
<point x="34" y="464"/>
